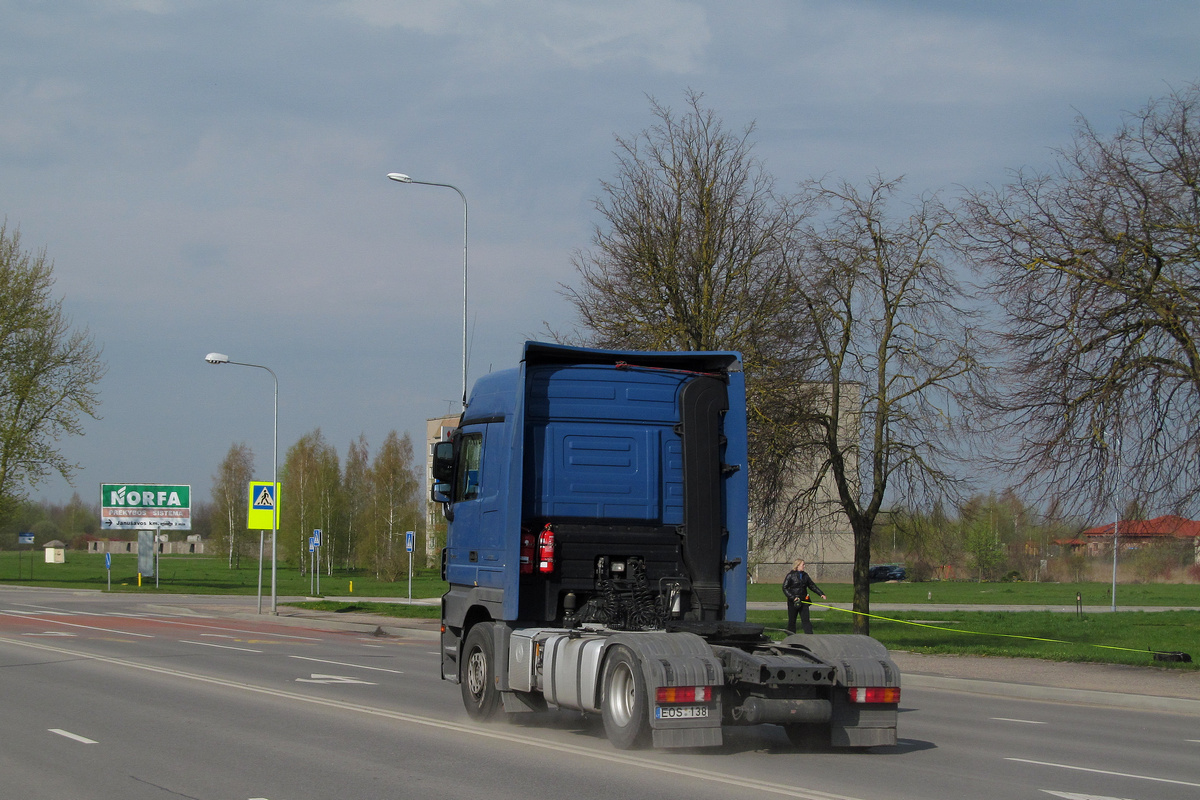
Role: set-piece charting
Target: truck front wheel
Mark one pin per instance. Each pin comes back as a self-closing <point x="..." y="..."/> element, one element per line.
<point x="478" y="677"/>
<point x="626" y="706"/>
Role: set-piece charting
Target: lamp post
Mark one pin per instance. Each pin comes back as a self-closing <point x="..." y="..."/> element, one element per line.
<point x="221" y="358"/>
<point x="1116" y="520"/>
<point x="400" y="177"/>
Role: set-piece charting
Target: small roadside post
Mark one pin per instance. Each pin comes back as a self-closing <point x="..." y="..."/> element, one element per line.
<point x="108" y="567"/>
<point x="317" y="558"/>
<point x="24" y="537"/>
<point x="410" y="540"/>
<point x="312" y="549"/>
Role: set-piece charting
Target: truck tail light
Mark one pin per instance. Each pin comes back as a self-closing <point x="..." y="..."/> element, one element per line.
<point x="683" y="694"/>
<point x="875" y="694"/>
<point x="546" y="550"/>
<point x="528" y="552"/>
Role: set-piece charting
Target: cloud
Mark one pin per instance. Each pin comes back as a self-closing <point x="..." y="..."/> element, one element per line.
<point x="667" y="35"/>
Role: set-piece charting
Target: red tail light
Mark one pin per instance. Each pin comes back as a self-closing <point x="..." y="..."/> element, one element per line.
<point x="875" y="694"/>
<point x="545" y="550"/>
<point x="528" y="552"/>
<point x="683" y="694"/>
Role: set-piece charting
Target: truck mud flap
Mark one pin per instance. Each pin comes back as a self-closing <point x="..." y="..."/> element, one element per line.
<point x="677" y="659"/>
<point x="860" y="661"/>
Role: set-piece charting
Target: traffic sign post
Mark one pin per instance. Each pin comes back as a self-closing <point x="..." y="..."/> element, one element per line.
<point x="108" y="566"/>
<point x="25" y="537"/>
<point x="317" y="558"/>
<point x="262" y="516"/>
<point x="410" y="540"/>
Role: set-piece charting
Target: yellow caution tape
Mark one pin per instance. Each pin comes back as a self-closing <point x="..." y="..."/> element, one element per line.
<point x="983" y="633"/>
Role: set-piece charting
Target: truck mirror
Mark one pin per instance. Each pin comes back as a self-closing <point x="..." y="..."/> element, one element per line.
<point x="443" y="463"/>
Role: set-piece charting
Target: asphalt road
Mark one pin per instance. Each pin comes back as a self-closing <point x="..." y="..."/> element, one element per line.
<point x="120" y="696"/>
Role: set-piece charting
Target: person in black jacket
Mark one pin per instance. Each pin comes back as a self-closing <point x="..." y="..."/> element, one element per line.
<point x="795" y="587"/>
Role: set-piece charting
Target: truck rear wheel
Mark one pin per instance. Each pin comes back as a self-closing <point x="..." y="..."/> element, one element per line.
<point x="478" y="677"/>
<point x="626" y="707"/>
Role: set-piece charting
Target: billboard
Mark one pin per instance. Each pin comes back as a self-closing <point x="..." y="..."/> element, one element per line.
<point x="145" y="506"/>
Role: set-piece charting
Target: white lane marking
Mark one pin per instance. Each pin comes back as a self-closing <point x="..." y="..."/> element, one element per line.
<point x="467" y="729"/>
<point x="74" y="736"/>
<point x="222" y="646"/>
<point x="86" y="627"/>
<point x="1104" y="772"/>
<point x="173" y="621"/>
<point x="1022" y="721"/>
<point x="16" y="611"/>
<point x="51" y="633"/>
<point x="1076" y="796"/>
<point x="344" y="664"/>
<point x="319" y="678"/>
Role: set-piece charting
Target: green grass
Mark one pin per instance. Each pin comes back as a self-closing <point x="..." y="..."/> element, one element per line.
<point x="1036" y="594"/>
<point x="201" y="575"/>
<point x="983" y="633"/>
<point x="1124" y="637"/>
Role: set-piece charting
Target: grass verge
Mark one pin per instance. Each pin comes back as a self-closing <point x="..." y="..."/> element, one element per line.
<point x="400" y="610"/>
<point x="1020" y="593"/>
<point x="1124" y="637"/>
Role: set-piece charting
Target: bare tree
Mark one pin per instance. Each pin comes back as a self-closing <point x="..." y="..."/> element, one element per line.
<point x="690" y="254"/>
<point x="873" y="409"/>
<point x="693" y="253"/>
<point x="48" y="373"/>
<point x="1095" y="264"/>
<point x="231" y="504"/>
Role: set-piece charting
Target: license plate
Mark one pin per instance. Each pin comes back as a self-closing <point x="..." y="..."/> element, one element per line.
<point x="680" y="712"/>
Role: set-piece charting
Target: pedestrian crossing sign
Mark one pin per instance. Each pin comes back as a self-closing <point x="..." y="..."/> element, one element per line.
<point x="264" y="506"/>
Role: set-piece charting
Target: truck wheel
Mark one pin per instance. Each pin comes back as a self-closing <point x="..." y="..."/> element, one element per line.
<point x="478" y="677"/>
<point x="626" y="708"/>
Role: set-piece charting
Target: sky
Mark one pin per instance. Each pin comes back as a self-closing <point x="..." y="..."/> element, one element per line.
<point x="211" y="176"/>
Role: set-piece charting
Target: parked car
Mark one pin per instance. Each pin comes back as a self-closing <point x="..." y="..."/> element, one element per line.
<point x="887" y="572"/>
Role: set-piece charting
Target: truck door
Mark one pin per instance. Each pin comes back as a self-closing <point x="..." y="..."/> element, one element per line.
<point x="476" y="553"/>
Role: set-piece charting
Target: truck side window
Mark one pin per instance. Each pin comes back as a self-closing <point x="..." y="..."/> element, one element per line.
<point x="470" y="452"/>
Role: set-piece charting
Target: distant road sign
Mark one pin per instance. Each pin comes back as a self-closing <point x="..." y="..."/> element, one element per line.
<point x="108" y="560"/>
<point x="145" y="506"/>
<point x="317" y="536"/>
<point x="264" y="499"/>
<point x="410" y="540"/>
<point x="24" y="538"/>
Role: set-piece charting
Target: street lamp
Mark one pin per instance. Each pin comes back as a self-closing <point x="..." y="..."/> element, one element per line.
<point x="221" y="358"/>
<point x="400" y="177"/>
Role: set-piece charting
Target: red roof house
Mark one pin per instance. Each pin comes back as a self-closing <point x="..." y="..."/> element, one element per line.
<point x="1135" y="533"/>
